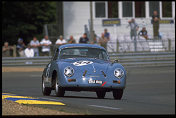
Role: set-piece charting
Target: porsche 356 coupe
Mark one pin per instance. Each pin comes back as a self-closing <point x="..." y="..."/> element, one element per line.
<point x="83" y="67"/>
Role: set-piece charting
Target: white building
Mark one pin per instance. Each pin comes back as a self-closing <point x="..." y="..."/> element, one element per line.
<point x="77" y="14"/>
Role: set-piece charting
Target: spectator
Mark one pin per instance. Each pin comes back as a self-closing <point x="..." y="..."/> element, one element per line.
<point x="134" y="28"/>
<point x="45" y="43"/>
<point x="71" y="40"/>
<point x="20" y="47"/>
<point x="94" y="39"/>
<point x="61" y="41"/>
<point x="6" y="50"/>
<point x="160" y="35"/>
<point x="84" y="39"/>
<point x="143" y="33"/>
<point x="106" y="34"/>
<point x="103" y="41"/>
<point x="155" y="21"/>
<point x="35" y="44"/>
<point x="29" y="52"/>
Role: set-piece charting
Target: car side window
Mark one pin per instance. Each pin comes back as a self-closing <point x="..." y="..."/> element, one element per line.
<point x="100" y="56"/>
<point x="104" y="55"/>
<point x="56" y="54"/>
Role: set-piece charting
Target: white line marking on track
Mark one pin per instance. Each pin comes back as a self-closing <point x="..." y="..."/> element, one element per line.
<point x="105" y="107"/>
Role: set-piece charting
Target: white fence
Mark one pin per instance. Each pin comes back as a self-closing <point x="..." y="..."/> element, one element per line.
<point x="125" y="44"/>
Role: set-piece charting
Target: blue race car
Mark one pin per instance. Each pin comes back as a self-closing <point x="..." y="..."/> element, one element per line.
<point x="83" y="67"/>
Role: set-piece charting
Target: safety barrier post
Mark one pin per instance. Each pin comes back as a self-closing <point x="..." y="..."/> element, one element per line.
<point x="169" y="44"/>
<point x="117" y="46"/>
<point x="14" y="50"/>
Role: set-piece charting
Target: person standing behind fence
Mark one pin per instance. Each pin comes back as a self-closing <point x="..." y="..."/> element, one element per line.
<point x="45" y="43"/>
<point x="103" y="41"/>
<point x="84" y="39"/>
<point x="94" y="39"/>
<point x="71" y="40"/>
<point x="106" y="34"/>
<point x="143" y="33"/>
<point x="6" y="50"/>
<point x="29" y="52"/>
<point x="61" y="41"/>
<point x="155" y="21"/>
<point x="20" y="47"/>
<point x="35" y="44"/>
<point x="134" y="28"/>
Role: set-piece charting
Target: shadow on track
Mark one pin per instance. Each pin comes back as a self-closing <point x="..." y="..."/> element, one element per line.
<point x="87" y="97"/>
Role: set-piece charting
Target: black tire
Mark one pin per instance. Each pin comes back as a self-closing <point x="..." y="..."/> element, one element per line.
<point x="45" y="90"/>
<point x="118" y="94"/>
<point x="58" y="90"/>
<point x="100" y="94"/>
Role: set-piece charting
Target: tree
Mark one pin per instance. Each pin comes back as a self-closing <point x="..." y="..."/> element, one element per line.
<point x="26" y="19"/>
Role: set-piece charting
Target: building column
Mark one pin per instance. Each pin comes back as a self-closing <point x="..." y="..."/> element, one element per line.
<point x="147" y="9"/>
<point x="133" y="7"/>
<point x="106" y="9"/>
<point x="161" y="16"/>
<point x="120" y="9"/>
<point x="173" y="9"/>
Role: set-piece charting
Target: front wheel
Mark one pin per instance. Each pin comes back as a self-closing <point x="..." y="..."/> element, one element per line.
<point x="58" y="90"/>
<point x="100" y="94"/>
<point x="45" y="90"/>
<point x="118" y="94"/>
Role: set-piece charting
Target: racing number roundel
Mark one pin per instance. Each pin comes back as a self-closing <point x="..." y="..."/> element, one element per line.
<point x="82" y="63"/>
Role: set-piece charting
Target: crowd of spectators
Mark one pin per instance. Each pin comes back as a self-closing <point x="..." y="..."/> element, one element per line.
<point x="32" y="48"/>
<point x="143" y="33"/>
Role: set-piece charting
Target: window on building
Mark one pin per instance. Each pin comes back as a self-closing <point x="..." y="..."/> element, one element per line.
<point x="154" y="6"/>
<point x="127" y="9"/>
<point x="100" y="9"/>
<point x="112" y="9"/>
<point x="166" y="9"/>
<point x="139" y="9"/>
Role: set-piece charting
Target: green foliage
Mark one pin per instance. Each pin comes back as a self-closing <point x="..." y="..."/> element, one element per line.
<point x="26" y="19"/>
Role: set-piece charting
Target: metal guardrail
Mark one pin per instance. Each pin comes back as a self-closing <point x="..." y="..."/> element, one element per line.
<point x="124" y="46"/>
<point x="126" y="59"/>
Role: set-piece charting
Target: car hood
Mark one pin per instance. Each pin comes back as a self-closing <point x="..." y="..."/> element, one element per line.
<point x="82" y="64"/>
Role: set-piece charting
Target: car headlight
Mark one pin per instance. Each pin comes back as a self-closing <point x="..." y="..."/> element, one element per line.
<point x="118" y="73"/>
<point x="69" y="71"/>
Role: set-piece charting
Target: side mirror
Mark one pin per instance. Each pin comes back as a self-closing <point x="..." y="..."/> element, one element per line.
<point x="115" y="61"/>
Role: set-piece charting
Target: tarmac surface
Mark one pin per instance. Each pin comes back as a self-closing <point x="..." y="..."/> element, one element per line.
<point x="149" y="90"/>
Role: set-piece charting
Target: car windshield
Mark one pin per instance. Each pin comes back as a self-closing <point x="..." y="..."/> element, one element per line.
<point x="80" y="52"/>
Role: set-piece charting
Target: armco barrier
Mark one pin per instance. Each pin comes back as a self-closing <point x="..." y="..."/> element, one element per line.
<point x="126" y="59"/>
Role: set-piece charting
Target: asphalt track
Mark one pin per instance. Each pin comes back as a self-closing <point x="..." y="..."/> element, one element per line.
<point x="149" y="90"/>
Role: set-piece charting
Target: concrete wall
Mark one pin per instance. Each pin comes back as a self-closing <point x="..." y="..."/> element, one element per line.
<point x="76" y="15"/>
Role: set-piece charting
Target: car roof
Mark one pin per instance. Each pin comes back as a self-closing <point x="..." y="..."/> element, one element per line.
<point x="81" y="45"/>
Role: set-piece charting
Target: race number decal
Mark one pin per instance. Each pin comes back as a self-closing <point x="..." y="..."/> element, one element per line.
<point x="82" y="63"/>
